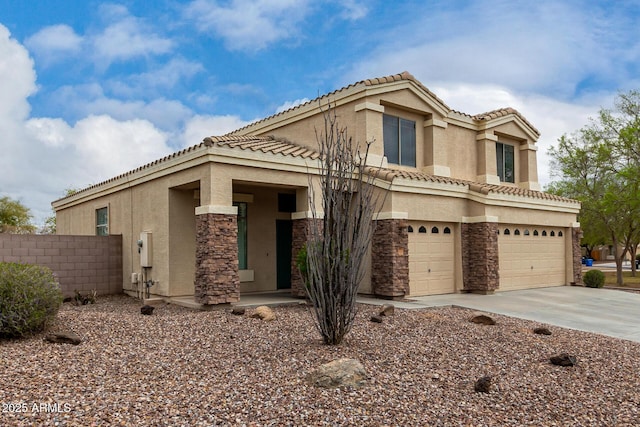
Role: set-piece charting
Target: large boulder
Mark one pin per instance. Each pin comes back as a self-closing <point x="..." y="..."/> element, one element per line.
<point x="339" y="373"/>
<point x="63" y="338"/>
<point x="387" y="310"/>
<point x="564" y="359"/>
<point x="264" y="312"/>
<point x="482" y="319"/>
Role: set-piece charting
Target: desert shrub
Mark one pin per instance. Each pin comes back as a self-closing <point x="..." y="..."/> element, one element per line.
<point x="29" y="299"/>
<point x="594" y="279"/>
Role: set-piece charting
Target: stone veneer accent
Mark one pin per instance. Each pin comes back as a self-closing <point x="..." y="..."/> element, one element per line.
<point x="390" y="259"/>
<point x="217" y="280"/>
<point x="480" y="257"/>
<point x="300" y="236"/>
<point x="576" y="237"/>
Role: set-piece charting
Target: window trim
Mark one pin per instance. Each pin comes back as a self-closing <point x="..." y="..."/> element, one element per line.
<point x="398" y="141"/>
<point x="102" y="229"/>
<point x="242" y="235"/>
<point x="501" y="162"/>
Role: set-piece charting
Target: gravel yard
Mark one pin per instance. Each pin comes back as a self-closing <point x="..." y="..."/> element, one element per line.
<point x="182" y="367"/>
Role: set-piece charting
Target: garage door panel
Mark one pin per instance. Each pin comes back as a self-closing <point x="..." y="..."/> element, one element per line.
<point x="529" y="261"/>
<point x="431" y="259"/>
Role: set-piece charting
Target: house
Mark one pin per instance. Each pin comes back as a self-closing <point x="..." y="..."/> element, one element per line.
<point x="463" y="211"/>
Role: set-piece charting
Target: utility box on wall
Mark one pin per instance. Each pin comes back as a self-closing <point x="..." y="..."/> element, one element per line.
<point x="145" y="249"/>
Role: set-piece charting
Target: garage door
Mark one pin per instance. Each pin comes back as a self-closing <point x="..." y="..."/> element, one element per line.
<point x="431" y="258"/>
<point x="531" y="257"/>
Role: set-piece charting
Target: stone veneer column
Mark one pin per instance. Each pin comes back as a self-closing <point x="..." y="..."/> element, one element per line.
<point x="576" y="237"/>
<point x="480" y="265"/>
<point x="390" y="258"/>
<point x="299" y="238"/>
<point x="217" y="280"/>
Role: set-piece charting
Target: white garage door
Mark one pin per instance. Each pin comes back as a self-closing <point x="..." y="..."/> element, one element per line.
<point x="431" y="258"/>
<point x="531" y="257"/>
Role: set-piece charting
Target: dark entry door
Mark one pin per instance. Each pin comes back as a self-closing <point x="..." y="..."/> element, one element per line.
<point x="284" y="233"/>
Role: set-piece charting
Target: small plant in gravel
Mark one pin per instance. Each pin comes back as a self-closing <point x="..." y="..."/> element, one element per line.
<point x="29" y="299"/>
<point x="89" y="298"/>
<point x="594" y="279"/>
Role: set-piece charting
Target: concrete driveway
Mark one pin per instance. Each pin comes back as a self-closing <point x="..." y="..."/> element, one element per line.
<point x="603" y="311"/>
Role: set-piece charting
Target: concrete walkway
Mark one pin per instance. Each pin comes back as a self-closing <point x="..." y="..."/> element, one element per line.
<point x="603" y="311"/>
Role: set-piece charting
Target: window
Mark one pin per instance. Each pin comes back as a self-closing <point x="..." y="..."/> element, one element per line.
<point x="507" y="232"/>
<point x="447" y="230"/>
<point x="286" y="202"/>
<point x="102" y="222"/>
<point x="422" y="229"/>
<point x="434" y="230"/>
<point x="399" y="140"/>
<point x="410" y="229"/>
<point x="505" y="161"/>
<point x="242" y="234"/>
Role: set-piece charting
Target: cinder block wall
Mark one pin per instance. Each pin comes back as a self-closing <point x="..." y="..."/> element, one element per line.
<point x="82" y="263"/>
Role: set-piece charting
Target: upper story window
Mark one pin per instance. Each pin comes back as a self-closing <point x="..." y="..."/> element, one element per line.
<point x="399" y="140"/>
<point x="505" y="162"/>
<point x="102" y="222"/>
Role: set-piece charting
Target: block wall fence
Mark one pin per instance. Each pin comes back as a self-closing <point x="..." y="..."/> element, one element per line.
<point x="82" y="263"/>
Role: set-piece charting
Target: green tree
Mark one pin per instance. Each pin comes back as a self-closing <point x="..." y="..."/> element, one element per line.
<point x="15" y="217"/>
<point x="600" y="166"/>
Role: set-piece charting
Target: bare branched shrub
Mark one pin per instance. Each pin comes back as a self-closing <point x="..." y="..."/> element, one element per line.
<point x="341" y="231"/>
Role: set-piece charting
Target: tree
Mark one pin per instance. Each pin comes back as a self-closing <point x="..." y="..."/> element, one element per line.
<point x="15" y="218"/>
<point x="339" y="240"/>
<point x="600" y="166"/>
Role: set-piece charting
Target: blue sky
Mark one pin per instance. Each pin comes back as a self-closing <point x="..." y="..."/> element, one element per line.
<point x="91" y="89"/>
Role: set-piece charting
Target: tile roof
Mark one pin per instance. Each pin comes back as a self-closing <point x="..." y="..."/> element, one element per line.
<point x="391" y="174"/>
<point x="404" y="76"/>
<point x="268" y="144"/>
<point x="264" y="144"/>
<point x="502" y="112"/>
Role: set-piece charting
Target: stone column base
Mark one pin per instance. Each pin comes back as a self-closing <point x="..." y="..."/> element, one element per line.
<point x="480" y="265"/>
<point x="390" y="259"/>
<point x="217" y="280"/>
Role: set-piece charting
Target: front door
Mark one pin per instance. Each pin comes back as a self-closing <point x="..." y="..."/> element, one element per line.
<point x="284" y="233"/>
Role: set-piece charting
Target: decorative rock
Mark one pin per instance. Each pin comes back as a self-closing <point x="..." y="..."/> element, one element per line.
<point x="238" y="311"/>
<point x="147" y="310"/>
<point x="376" y="319"/>
<point x="264" y="313"/>
<point x="542" y="331"/>
<point x="482" y="319"/>
<point x="483" y="385"/>
<point x="64" y="338"/>
<point x="564" y="359"/>
<point x="339" y="373"/>
<point x="387" y="310"/>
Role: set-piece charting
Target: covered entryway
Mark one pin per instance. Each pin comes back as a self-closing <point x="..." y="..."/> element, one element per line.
<point x="431" y="258"/>
<point x="531" y="257"/>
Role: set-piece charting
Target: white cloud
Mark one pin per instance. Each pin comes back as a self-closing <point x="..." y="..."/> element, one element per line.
<point x="43" y="156"/>
<point x="199" y="127"/>
<point x="290" y="104"/>
<point x="249" y="25"/>
<point x="126" y="39"/>
<point x="54" y="42"/>
<point x="353" y="9"/>
<point x="546" y="46"/>
<point x="553" y="118"/>
<point x="90" y="99"/>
